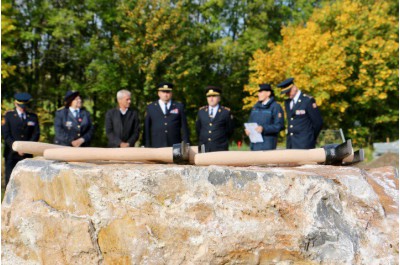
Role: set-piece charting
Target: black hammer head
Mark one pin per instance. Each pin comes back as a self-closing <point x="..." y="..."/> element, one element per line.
<point x="335" y="153"/>
<point x="180" y="153"/>
<point x="358" y="157"/>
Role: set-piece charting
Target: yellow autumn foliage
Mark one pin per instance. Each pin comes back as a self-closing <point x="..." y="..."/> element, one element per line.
<point x="7" y="29"/>
<point x="345" y="56"/>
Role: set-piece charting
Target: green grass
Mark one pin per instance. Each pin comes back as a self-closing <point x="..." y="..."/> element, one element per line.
<point x="235" y="147"/>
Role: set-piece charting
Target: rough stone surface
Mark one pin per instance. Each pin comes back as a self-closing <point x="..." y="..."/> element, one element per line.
<point x="81" y="213"/>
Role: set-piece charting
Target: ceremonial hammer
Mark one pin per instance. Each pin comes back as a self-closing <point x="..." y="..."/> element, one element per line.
<point x="334" y="154"/>
<point x="180" y="153"/>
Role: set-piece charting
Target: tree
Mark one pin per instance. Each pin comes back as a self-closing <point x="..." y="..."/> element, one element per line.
<point x="8" y="36"/>
<point x="346" y="56"/>
<point x="99" y="47"/>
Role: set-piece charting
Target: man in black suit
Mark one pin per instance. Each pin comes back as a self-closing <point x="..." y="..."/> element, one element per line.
<point x="72" y="124"/>
<point x="304" y="118"/>
<point x="122" y="123"/>
<point x="165" y="122"/>
<point x="18" y="125"/>
<point x="214" y="123"/>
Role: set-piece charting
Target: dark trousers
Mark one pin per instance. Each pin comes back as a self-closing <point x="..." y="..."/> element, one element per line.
<point x="10" y="163"/>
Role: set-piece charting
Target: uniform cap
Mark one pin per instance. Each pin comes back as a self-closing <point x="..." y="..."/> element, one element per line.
<point x="213" y="91"/>
<point x="22" y="99"/>
<point x="265" y="87"/>
<point x="165" y="86"/>
<point x="70" y="96"/>
<point x="286" y="85"/>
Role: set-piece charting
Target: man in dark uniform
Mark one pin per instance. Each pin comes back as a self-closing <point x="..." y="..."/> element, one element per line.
<point x="214" y="123"/>
<point x="18" y="125"/>
<point x="304" y="118"/>
<point x="268" y="114"/>
<point x="165" y="121"/>
<point x="122" y="123"/>
<point x="72" y="124"/>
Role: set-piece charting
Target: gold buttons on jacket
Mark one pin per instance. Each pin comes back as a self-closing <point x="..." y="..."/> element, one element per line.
<point x="209" y="139"/>
<point x="291" y="133"/>
<point x="166" y="131"/>
<point x="210" y="124"/>
<point x="291" y="126"/>
<point x="165" y="123"/>
<point x="209" y="131"/>
<point x="291" y="119"/>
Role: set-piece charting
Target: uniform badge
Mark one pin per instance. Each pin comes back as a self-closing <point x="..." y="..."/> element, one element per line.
<point x="68" y="124"/>
<point x="314" y="105"/>
<point x="31" y="123"/>
<point x="279" y="115"/>
<point x="300" y="112"/>
<point x="174" y="111"/>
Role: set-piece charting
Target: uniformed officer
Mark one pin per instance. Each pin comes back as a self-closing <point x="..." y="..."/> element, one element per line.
<point x="18" y="125"/>
<point x="268" y="114"/>
<point x="73" y="126"/>
<point x="214" y="123"/>
<point x="304" y="118"/>
<point x="165" y="122"/>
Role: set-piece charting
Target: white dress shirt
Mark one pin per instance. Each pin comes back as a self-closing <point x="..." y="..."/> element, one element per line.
<point x="162" y="105"/>
<point x="214" y="110"/>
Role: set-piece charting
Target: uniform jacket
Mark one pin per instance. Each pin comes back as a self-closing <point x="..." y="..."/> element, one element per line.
<point x="116" y="133"/>
<point x="16" y="129"/>
<point x="304" y="123"/>
<point x="68" y="128"/>
<point x="214" y="133"/>
<point x="270" y="117"/>
<point x="162" y="130"/>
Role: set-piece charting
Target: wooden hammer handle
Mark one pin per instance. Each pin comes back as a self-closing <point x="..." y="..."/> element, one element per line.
<point x="245" y="158"/>
<point x="33" y="148"/>
<point x="135" y="154"/>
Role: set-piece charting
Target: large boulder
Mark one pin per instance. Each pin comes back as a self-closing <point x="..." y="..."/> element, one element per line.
<point x="87" y="213"/>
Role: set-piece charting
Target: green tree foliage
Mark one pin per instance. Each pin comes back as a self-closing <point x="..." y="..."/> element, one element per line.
<point x="8" y="36"/>
<point x="99" y="47"/>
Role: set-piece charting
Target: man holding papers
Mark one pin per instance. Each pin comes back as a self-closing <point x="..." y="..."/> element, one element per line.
<point x="265" y="121"/>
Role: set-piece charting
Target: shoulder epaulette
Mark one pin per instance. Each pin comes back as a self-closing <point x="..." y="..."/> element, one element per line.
<point x="203" y="107"/>
<point x="60" y="108"/>
<point x="228" y="109"/>
<point x="7" y="111"/>
<point x="307" y="96"/>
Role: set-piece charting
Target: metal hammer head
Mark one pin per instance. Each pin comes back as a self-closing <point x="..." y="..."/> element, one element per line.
<point x="358" y="157"/>
<point x="180" y="153"/>
<point x="335" y="153"/>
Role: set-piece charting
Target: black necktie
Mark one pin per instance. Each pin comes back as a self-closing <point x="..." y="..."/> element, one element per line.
<point x="211" y="113"/>
<point x="166" y="109"/>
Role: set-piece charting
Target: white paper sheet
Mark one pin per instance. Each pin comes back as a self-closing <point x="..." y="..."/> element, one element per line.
<point x="255" y="137"/>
